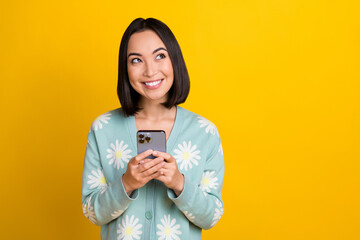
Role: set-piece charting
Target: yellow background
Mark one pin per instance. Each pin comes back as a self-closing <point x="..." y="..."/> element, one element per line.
<point x="280" y="79"/>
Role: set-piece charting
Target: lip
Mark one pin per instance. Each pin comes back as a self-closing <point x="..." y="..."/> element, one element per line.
<point x="154" y="86"/>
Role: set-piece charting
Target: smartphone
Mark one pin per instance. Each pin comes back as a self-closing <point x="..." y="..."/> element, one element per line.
<point x="151" y="139"/>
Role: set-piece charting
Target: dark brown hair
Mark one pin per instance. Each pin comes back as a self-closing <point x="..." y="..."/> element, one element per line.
<point x="178" y="92"/>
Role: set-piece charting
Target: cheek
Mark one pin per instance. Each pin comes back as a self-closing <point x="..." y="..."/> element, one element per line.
<point x="132" y="83"/>
<point x="133" y="74"/>
<point x="169" y="69"/>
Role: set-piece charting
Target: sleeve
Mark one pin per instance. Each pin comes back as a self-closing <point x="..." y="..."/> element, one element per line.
<point x="102" y="201"/>
<point x="201" y="201"/>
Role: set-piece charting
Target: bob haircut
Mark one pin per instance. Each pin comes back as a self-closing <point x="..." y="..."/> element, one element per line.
<point x="178" y="92"/>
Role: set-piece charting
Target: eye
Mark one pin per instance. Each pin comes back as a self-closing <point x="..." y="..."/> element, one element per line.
<point x="160" y="56"/>
<point x="135" y="60"/>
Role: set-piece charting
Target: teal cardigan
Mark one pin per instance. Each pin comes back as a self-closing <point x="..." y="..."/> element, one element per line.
<point x="153" y="211"/>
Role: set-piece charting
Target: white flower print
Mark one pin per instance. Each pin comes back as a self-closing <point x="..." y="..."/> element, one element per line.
<point x="129" y="229"/>
<point x="189" y="215"/>
<point x="118" y="154"/>
<point x="97" y="179"/>
<point x="97" y="123"/>
<point x="168" y="230"/>
<point x="219" y="211"/>
<point x="210" y="127"/>
<point x="221" y="149"/>
<point x="88" y="211"/>
<point x="208" y="182"/>
<point x="117" y="213"/>
<point x="187" y="155"/>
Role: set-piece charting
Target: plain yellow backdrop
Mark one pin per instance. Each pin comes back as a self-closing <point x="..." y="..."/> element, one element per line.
<point x="279" y="78"/>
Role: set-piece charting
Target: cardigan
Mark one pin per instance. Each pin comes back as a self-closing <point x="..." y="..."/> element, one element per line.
<point x="153" y="211"/>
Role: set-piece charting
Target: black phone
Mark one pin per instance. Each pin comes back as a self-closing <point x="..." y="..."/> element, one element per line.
<point x="151" y="139"/>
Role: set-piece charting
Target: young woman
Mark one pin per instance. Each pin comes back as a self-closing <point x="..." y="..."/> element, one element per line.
<point x="175" y="195"/>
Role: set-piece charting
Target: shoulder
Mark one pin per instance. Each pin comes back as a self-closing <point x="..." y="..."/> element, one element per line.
<point x="199" y="132"/>
<point x="109" y="127"/>
<point x="191" y="115"/>
<point x="196" y="121"/>
<point x="108" y="119"/>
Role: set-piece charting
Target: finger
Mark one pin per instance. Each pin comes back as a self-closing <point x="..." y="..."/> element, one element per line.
<point x="163" y="171"/>
<point x="166" y="156"/>
<point x="161" y="176"/>
<point x="146" y="160"/>
<point x="149" y="163"/>
<point x="141" y="166"/>
<point x="167" y="166"/>
<point x="155" y="175"/>
<point x="153" y="169"/>
<point x="141" y="156"/>
<point x="150" y="177"/>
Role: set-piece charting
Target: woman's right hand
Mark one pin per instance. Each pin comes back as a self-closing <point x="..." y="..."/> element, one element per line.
<point x="140" y="170"/>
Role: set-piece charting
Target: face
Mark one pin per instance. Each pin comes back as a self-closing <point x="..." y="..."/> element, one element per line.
<point x="149" y="66"/>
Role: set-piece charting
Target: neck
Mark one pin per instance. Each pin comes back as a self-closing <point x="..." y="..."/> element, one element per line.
<point x="154" y="111"/>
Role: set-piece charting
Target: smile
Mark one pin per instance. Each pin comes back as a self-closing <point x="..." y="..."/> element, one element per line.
<point x="153" y="84"/>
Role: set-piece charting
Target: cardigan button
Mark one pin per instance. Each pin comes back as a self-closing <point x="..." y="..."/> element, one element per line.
<point x="148" y="215"/>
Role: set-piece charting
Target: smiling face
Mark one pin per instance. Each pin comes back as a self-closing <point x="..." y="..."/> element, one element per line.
<point x="149" y="66"/>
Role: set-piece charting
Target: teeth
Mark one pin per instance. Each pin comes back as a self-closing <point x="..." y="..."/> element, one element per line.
<point x="152" y="83"/>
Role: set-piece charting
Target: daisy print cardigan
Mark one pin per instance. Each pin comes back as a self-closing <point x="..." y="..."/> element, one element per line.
<point x="153" y="211"/>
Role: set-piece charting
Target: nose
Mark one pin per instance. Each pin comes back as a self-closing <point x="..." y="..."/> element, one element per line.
<point x="150" y="69"/>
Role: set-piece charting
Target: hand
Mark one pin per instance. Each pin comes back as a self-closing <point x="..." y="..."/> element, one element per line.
<point x="169" y="173"/>
<point x="141" y="170"/>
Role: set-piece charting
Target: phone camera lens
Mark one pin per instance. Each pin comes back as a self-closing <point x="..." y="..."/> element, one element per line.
<point x="141" y="136"/>
<point x="141" y="141"/>
<point x="148" y="139"/>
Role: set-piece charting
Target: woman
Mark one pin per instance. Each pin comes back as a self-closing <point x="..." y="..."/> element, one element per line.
<point x="176" y="194"/>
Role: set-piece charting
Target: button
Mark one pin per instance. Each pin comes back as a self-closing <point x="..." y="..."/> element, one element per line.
<point x="148" y="215"/>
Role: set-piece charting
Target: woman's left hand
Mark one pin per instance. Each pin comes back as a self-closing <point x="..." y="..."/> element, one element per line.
<point x="169" y="173"/>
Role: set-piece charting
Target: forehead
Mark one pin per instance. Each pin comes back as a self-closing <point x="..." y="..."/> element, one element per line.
<point x="146" y="41"/>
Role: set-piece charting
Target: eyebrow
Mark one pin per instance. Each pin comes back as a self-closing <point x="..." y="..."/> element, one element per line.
<point x="138" y="54"/>
<point x="161" y="48"/>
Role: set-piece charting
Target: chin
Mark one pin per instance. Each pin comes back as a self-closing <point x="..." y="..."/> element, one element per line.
<point x="160" y="99"/>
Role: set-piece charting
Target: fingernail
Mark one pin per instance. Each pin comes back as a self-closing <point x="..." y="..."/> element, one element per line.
<point x="142" y="161"/>
<point x="154" y="153"/>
